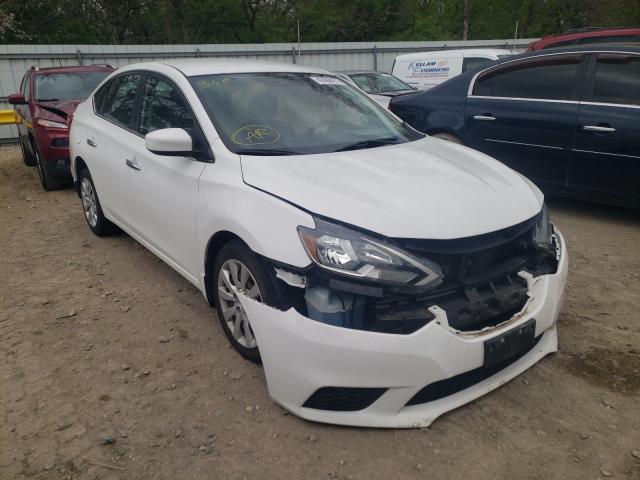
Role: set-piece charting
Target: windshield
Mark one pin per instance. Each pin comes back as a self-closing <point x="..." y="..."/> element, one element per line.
<point x="67" y="86"/>
<point x="379" y="82"/>
<point x="295" y="113"/>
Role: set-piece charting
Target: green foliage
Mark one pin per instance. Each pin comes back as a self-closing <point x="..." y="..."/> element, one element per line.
<point x="261" y="21"/>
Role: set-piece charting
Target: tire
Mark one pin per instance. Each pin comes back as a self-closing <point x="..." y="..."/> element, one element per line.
<point x="93" y="214"/>
<point x="48" y="181"/>
<point x="27" y="157"/>
<point x="449" y="138"/>
<point x="231" y="315"/>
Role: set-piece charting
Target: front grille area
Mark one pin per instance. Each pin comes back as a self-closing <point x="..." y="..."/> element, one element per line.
<point x="449" y="386"/>
<point x="60" y="142"/>
<point x="481" y="285"/>
<point x="343" y="399"/>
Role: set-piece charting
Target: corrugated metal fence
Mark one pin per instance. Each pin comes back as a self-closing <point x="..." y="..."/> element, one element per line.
<point x="16" y="59"/>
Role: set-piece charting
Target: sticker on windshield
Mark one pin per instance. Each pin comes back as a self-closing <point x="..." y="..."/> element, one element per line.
<point x="255" y="135"/>
<point x="327" y="81"/>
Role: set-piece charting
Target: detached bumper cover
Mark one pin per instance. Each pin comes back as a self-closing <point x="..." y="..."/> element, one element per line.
<point x="301" y="356"/>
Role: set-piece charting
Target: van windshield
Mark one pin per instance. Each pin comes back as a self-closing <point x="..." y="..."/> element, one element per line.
<point x="295" y="114"/>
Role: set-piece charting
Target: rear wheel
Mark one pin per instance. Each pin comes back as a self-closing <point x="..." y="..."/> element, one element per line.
<point x="236" y="271"/>
<point x="98" y="223"/>
<point x="449" y="138"/>
<point x="47" y="179"/>
<point x="27" y="157"/>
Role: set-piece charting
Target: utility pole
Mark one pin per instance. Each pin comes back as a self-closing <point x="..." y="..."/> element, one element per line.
<point x="465" y="21"/>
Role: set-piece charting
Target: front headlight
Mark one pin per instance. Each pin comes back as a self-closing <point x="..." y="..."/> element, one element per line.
<point x="51" y="124"/>
<point x="351" y="253"/>
<point x="543" y="231"/>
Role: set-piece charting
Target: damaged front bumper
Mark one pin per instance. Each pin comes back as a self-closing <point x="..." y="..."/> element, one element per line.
<point x="353" y="377"/>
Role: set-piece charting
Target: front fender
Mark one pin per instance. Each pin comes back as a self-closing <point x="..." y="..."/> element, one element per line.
<point x="267" y="224"/>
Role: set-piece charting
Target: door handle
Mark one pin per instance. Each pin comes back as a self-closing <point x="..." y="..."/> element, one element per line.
<point x="598" y="128"/>
<point x="91" y="142"/>
<point x="133" y="164"/>
<point x="486" y="118"/>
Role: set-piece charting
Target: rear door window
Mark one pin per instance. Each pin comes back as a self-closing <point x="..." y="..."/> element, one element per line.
<point x="116" y="100"/>
<point x="617" y="79"/>
<point x="551" y="78"/>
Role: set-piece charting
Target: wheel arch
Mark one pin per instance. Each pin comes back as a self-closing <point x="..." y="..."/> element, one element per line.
<point x="215" y="243"/>
<point x="79" y="165"/>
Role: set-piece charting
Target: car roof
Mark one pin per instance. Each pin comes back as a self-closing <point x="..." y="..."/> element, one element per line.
<point x="579" y="34"/>
<point x="73" y="68"/>
<point x="216" y="66"/>
<point x="575" y="49"/>
<point x="479" y="52"/>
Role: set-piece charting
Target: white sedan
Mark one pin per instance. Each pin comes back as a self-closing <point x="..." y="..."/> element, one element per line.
<point x="383" y="277"/>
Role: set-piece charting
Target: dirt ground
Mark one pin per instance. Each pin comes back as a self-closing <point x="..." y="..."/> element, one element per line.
<point x="114" y="367"/>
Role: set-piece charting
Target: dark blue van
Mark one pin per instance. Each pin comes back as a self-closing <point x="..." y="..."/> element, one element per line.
<point x="569" y="119"/>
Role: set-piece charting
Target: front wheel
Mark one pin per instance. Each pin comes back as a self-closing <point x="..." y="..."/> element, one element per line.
<point x="98" y="223"/>
<point x="27" y="157"/>
<point x="237" y="270"/>
<point x="47" y="179"/>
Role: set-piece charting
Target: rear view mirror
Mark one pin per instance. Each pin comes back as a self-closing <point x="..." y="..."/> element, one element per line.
<point x="169" y="141"/>
<point x="16" y="99"/>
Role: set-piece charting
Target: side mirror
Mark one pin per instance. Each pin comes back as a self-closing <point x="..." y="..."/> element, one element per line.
<point x="169" y="141"/>
<point x="16" y="99"/>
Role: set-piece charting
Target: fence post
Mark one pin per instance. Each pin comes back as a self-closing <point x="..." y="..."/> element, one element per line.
<point x="293" y="55"/>
<point x="375" y="57"/>
<point x="79" y="54"/>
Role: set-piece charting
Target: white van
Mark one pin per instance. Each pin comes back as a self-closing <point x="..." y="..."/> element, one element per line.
<point x="424" y="70"/>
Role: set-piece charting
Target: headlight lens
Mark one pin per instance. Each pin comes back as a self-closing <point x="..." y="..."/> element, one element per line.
<point x="51" y="124"/>
<point x="349" y="252"/>
<point x="543" y="231"/>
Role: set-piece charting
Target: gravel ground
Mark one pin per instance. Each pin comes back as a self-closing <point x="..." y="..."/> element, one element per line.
<point x="114" y="367"/>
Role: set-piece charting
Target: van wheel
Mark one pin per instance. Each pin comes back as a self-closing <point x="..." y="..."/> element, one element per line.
<point x="47" y="179"/>
<point x="238" y="270"/>
<point x="449" y="138"/>
<point x="98" y="223"/>
<point x="27" y="157"/>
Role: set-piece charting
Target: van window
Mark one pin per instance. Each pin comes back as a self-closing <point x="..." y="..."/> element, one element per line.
<point x="547" y="78"/>
<point x="474" y="63"/>
<point x="617" y="79"/>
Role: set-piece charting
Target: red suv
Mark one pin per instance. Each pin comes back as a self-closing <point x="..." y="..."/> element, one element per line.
<point x="47" y="97"/>
<point x="588" y="36"/>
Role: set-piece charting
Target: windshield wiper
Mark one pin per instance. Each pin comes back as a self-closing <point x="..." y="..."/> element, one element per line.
<point x="373" y="142"/>
<point x="265" y="151"/>
<point x="48" y="100"/>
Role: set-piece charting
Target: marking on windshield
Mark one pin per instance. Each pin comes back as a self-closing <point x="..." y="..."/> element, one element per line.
<point x="255" y="135"/>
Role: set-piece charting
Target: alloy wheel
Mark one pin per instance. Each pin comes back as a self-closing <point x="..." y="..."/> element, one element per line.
<point x="89" y="203"/>
<point x="234" y="277"/>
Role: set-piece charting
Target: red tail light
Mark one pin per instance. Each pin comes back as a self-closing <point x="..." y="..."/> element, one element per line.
<point x="69" y="119"/>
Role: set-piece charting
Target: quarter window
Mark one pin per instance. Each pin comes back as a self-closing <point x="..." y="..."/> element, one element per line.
<point x="116" y="100"/>
<point x="617" y="79"/>
<point x="163" y="106"/>
<point x="548" y="79"/>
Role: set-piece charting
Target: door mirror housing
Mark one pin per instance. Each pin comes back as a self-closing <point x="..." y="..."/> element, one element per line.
<point x="16" y="99"/>
<point x="174" y="142"/>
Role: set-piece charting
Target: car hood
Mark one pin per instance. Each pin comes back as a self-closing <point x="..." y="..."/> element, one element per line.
<point x="56" y="110"/>
<point x="430" y="188"/>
